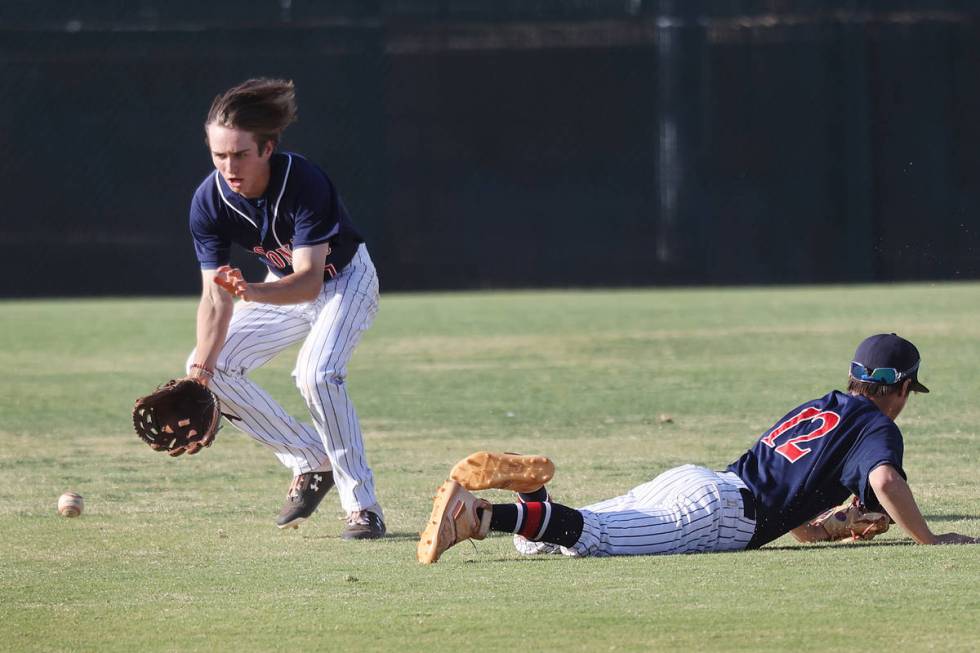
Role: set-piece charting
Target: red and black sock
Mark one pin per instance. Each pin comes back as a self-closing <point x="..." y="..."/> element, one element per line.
<point x="539" y="521"/>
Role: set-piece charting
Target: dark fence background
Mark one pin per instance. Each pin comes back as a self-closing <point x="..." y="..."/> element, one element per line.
<point x="509" y="143"/>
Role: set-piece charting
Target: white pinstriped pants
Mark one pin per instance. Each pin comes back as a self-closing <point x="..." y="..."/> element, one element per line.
<point x="330" y="327"/>
<point x="686" y="509"/>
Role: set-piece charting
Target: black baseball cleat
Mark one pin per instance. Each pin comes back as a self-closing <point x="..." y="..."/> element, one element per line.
<point x="305" y="494"/>
<point x="364" y="525"/>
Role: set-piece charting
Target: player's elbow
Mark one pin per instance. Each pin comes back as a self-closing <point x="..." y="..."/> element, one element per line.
<point x="885" y="478"/>
<point x="310" y="298"/>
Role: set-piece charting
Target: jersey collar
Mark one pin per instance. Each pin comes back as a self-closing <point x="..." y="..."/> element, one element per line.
<point x="279" y="166"/>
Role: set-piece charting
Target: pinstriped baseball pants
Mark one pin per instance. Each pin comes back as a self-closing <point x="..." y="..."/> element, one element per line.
<point x="330" y="328"/>
<point x="686" y="509"/>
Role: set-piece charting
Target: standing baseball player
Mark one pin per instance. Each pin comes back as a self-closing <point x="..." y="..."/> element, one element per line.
<point x="811" y="459"/>
<point x="321" y="290"/>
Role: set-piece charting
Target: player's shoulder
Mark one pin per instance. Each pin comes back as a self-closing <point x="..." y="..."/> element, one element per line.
<point x="206" y="194"/>
<point x="857" y="413"/>
<point x="857" y="404"/>
<point x="206" y="202"/>
<point x="299" y="170"/>
<point x="829" y="401"/>
<point x="835" y="399"/>
<point x="299" y="182"/>
<point x="844" y="405"/>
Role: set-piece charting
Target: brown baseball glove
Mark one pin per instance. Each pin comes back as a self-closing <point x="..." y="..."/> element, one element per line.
<point x="181" y="416"/>
<point x="851" y="521"/>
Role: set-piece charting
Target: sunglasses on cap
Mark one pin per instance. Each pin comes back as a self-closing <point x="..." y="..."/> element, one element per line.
<point x="886" y="375"/>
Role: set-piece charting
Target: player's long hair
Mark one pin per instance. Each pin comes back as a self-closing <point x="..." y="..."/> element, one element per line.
<point x="264" y="107"/>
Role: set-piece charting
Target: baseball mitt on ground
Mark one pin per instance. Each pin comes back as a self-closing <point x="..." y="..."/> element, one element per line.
<point x="181" y="416"/>
<point x="851" y="521"/>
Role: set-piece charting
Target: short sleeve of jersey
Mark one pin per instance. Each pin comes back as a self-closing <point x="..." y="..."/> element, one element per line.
<point x="316" y="206"/>
<point x="881" y="444"/>
<point x="211" y="247"/>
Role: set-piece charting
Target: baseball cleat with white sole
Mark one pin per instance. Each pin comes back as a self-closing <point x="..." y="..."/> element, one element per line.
<point x="486" y="470"/>
<point x="456" y="516"/>
<point x="529" y="547"/>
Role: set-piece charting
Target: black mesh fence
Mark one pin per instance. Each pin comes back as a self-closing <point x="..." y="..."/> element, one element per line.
<point x="509" y="144"/>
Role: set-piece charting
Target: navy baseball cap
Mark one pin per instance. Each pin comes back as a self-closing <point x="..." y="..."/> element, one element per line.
<point x="889" y="359"/>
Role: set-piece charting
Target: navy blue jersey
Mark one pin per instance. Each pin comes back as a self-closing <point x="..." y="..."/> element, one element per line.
<point x="299" y="208"/>
<point x="813" y="458"/>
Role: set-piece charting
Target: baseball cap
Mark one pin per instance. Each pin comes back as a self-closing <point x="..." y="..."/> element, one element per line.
<point x="889" y="359"/>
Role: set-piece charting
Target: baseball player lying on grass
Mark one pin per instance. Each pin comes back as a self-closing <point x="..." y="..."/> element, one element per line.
<point x="793" y="480"/>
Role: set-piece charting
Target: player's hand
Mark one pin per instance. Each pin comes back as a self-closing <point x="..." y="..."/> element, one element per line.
<point x="955" y="538"/>
<point x="231" y="280"/>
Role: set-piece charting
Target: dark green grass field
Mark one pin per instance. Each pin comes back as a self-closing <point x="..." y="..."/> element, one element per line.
<point x="616" y="386"/>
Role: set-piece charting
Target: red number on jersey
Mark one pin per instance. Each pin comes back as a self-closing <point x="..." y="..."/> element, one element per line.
<point x="789" y="449"/>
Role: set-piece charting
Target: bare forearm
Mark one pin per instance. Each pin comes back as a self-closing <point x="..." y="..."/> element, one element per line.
<point x="303" y="285"/>
<point x="212" y="328"/>
<point x="897" y="500"/>
<point x="295" y="288"/>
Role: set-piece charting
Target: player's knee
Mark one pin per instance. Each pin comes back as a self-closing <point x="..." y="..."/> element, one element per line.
<point x="231" y="365"/>
<point x="310" y="382"/>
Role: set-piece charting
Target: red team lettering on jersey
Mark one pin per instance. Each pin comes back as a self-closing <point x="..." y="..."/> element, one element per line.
<point x="282" y="257"/>
<point x="789" y="449"/>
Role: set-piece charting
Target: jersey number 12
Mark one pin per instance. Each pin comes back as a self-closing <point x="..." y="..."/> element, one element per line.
<point x="790" y="450"/>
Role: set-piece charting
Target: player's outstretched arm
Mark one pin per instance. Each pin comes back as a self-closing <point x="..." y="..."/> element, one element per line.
<point x="896" y="498"/>
<point x="303" y="285"/>
<point x="213" y="315"/>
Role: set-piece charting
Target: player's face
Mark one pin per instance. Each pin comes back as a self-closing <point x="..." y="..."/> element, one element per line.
<point x="236" y="156"/>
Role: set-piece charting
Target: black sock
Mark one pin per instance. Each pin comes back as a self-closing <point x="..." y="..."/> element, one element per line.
<point x="538" y="521"/>
<point x="565" y="526"/>
<point x="504" y="518"/>
<point x="541" y="494"/>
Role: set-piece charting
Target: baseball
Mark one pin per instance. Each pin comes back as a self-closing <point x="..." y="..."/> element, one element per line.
<point x="70" y="504"/>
